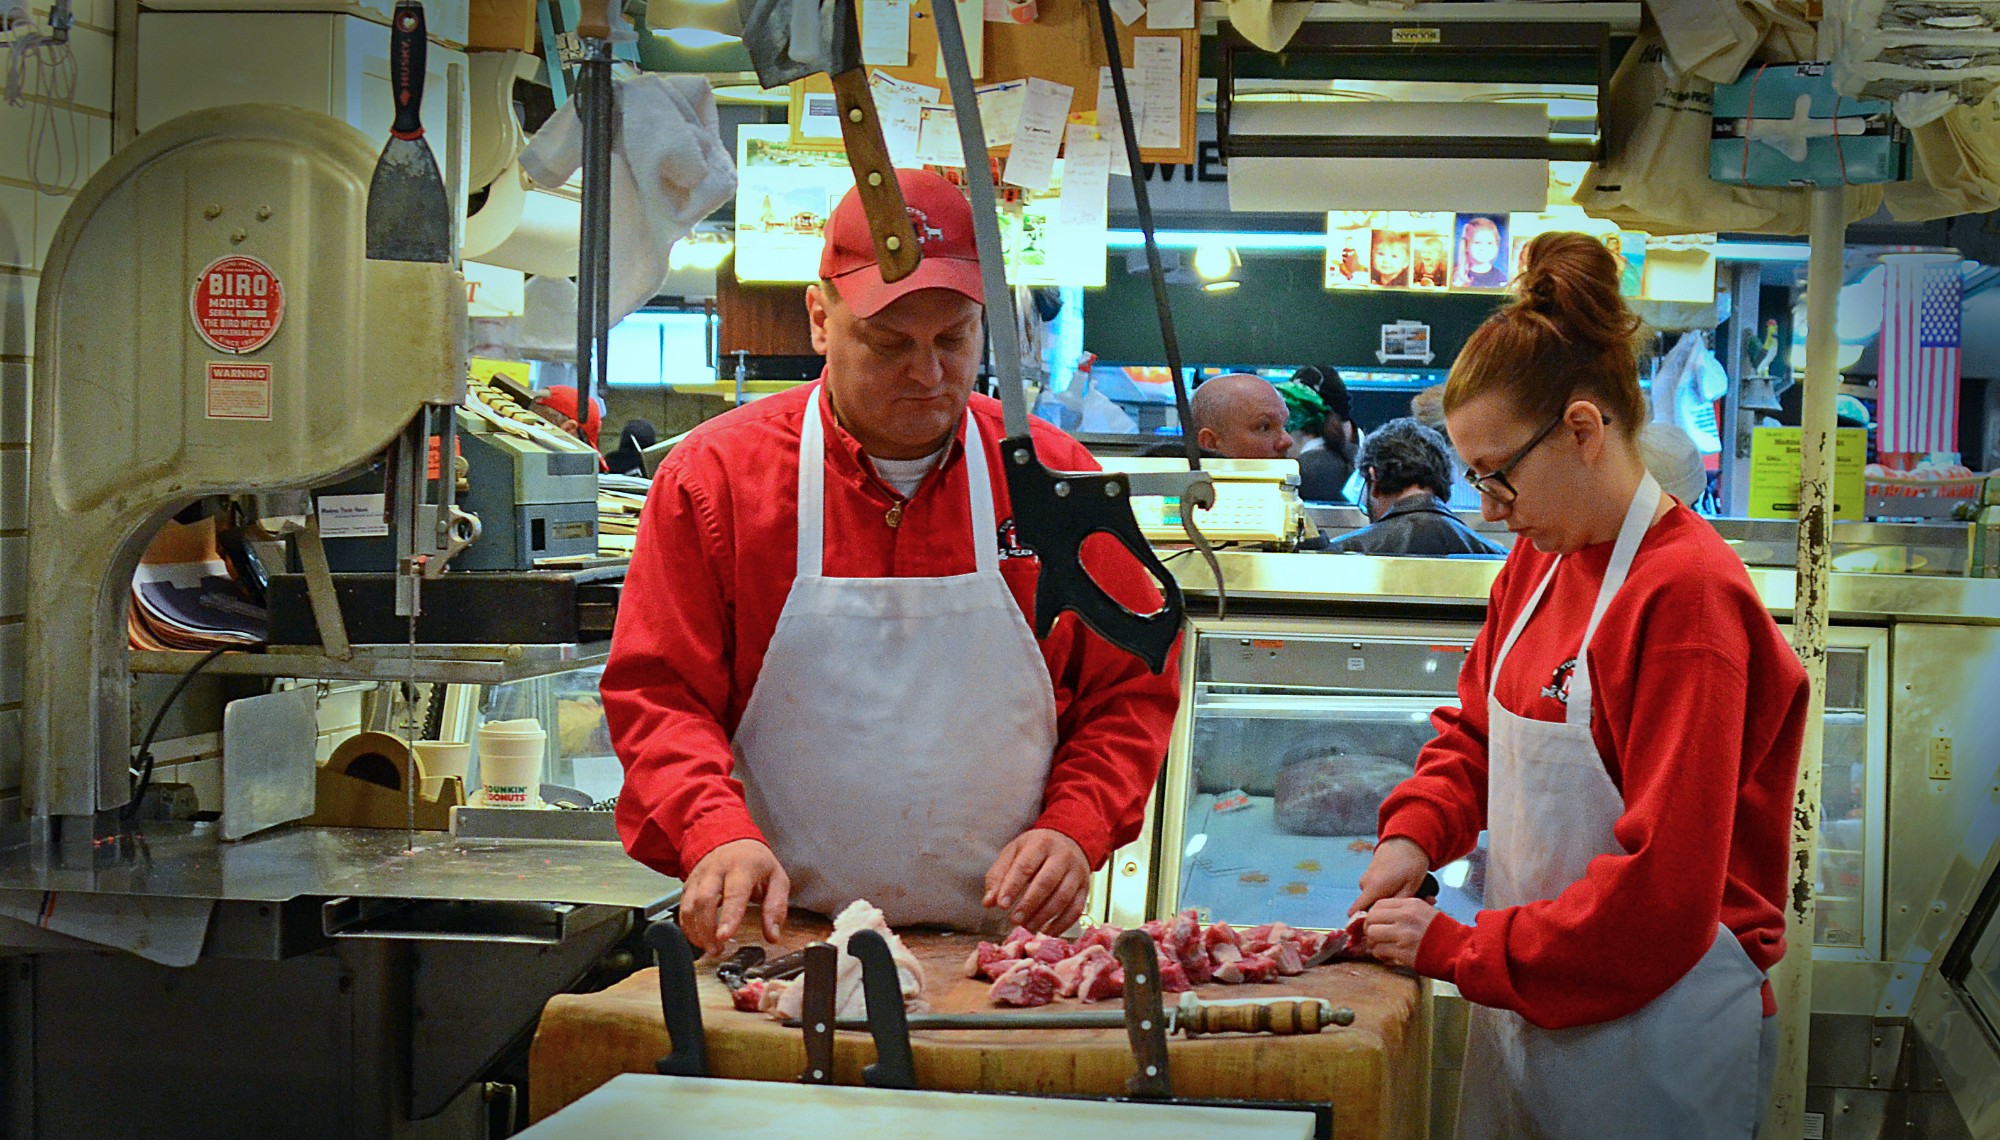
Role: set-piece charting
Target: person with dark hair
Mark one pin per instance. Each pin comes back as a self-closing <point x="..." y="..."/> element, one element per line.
<point x="1326" y="454"/>
<point x="1408" y="477"/>
<point x="1627" y="732"/>
<point x="634" y="437"/>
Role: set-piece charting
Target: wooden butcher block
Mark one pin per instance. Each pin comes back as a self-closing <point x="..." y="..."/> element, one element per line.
<point x="1375" y="1073"/>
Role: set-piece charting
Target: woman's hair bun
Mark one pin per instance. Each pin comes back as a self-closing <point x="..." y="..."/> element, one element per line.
<point x="1570" y="281"/>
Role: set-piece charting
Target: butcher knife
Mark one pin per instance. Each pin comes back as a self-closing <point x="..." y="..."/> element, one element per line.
<point x="680" y="1001"/>
<point x="409" y="218"/>
<point x="791" y="39"/>
<point x="1339" y="940"/>
<point x="822" y="980"/>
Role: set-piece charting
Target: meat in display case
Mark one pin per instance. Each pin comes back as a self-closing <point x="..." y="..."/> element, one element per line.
<point x="1293" y="731"/>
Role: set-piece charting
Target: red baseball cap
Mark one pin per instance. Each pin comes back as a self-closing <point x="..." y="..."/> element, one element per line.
<point x="943" y="221"/>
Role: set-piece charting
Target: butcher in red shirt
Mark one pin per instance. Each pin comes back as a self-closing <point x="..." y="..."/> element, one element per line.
<point x="1628" y="734"/>
<point x="823" y="684"/>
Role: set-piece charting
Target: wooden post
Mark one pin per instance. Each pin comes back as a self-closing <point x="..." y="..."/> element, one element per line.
<point x="1793" y="979"/>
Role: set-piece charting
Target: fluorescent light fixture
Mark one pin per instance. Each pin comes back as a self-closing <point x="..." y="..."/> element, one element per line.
<point x="695" y="39"/>
<point x="1762" y="251"/>
<point x="1196" y="239"/>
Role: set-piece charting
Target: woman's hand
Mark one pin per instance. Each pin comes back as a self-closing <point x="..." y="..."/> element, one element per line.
<point x="1396" y="872"/>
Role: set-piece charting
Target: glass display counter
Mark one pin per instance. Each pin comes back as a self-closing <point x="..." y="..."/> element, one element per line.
<point x="1293" y="731"/>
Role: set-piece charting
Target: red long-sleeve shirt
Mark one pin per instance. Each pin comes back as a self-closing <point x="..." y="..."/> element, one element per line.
<point x="714" y="564"/>
<point x="1700" y="707"/>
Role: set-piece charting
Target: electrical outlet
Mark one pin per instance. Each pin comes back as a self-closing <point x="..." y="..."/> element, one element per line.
<point x="1940" y="757"/>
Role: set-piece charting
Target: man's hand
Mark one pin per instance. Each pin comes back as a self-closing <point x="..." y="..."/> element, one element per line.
<point x="1043" y="878"/>
<point x="1396" y="872"/>
<point x="724" y="884"/>
<point x="1396" y="928"/>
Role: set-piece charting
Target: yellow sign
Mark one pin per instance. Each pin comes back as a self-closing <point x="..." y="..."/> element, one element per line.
<point x="1775" y="462"/>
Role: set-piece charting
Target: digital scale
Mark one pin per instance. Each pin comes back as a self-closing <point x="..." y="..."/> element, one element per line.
<point x="1256" y="500"/>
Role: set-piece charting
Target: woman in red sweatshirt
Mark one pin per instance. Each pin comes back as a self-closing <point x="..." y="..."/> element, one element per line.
<point x="1628" y="734"/>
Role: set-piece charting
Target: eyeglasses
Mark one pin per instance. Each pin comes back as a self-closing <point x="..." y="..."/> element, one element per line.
<point x="1494" y="484"/>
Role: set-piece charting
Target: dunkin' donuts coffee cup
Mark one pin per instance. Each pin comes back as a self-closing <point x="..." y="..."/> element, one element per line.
<point x="510" y="763"/>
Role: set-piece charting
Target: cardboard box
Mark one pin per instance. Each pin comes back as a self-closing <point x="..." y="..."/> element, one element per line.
<point x="502" y="25"/>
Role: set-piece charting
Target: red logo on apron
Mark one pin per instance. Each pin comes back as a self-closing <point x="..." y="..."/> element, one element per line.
<point x="237" y="305"/>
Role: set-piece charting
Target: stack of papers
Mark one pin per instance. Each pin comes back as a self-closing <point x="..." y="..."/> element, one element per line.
<point x="619" y="500"/>
<point x="185" y="597"/>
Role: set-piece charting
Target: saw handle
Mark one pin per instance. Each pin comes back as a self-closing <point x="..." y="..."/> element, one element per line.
<point x="896" y="248"/>
<point x="1282" y="1018"/>
<point x="408" y="46"/>
<point x="1054" y="513"/>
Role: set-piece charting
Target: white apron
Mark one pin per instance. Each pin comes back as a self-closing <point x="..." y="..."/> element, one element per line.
<point x="901" y="729"/>
<point x="1685" y="1067"/>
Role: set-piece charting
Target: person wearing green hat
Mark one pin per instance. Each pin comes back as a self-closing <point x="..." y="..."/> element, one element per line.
<point x="1326" y="446"/>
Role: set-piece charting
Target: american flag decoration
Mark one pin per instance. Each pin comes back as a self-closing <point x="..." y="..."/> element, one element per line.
<point x="1918" y="378"/>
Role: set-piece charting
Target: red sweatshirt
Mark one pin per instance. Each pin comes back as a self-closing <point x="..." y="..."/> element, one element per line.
<point x="714" y="564"/>
<point x="1699" y="709"/>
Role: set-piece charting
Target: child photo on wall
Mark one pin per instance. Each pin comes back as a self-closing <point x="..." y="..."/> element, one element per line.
<point x="1430" y="265"/>
<point x="1390" y="260"/>
<point x="1482" y="253"/>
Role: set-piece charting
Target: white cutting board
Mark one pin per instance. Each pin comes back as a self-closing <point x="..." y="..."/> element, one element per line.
<point x="638" y="1106"/>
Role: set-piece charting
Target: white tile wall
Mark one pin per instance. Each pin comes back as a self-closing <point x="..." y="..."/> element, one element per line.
<point x="17" y="314"/>
<point x="93" y="68"/>
<point x="14" y="415"/>
<point x="13" y="491"/>
<point x="10" y="749"/>
<point x="18" y="218"/>
<point x="13" y="575"/>
<point x="12" y="663"/>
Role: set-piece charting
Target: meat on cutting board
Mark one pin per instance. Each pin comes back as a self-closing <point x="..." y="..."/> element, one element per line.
<point x="1027" y="983"/>
<point x="1190" y="955"/>
<point x="848" y="1000"/>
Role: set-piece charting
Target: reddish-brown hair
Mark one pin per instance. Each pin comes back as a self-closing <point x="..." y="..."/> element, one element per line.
<point x="1566" y="336"/>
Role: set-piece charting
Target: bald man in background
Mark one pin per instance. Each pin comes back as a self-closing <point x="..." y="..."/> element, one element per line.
<point x="1240" y="416"/>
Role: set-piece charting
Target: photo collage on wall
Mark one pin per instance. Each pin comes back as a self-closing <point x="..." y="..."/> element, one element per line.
<point x="1395" y="249"/>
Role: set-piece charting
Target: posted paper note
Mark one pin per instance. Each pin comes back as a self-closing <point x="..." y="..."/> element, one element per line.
<point x="1159" y="90"/>
<point x="1000" y="111"/>
<point x="937" y="137"/>
<point x="971" y="21"/>
<point x="885" y="32"/>
<point x="1086" y="178"/>
<point x="819" y="116"/>
<point x="1044" y="110"/>
<point x="1164" y="15"/>
<point x="898" y="105"/>
<point x="1107" y="116"/>
<point x="1128" y="10"/>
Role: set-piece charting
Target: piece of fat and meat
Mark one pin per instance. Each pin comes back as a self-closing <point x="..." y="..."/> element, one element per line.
<point x="849" y="1001"/>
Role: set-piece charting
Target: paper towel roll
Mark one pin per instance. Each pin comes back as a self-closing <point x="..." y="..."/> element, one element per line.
<point x="525" y="229"/>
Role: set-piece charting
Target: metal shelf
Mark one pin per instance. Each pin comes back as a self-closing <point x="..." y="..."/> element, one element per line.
<point x="443" y="664"/>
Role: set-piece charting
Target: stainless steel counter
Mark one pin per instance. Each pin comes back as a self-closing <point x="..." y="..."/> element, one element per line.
<point x="186" y="860"/>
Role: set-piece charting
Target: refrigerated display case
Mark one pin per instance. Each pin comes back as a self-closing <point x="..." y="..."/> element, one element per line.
<point x="1293" y="730"/>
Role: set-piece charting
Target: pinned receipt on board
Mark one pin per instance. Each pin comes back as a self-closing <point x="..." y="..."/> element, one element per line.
<point x="899" y="107"/>
<point x="1000" y="110"/>
<point x="1159" y="90"/>
<point x="1038" y="134"/>
<point x="1086" y="178"/>
<point x="885" y="33"/>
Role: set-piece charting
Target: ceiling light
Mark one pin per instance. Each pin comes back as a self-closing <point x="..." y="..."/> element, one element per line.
<point x="1214" y="260"/>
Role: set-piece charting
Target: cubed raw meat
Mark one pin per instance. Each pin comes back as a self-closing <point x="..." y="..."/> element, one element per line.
<point x="1026" y="983"/>
<point x="1016" y="939"/>
<point x="1046" y="949"/>
<point x="1173" y="979"/>
<point x="1308" y="943"/>
<point x="1155" y="930"/>
<point x="1184" y="929"/>
<point x="1070" y="969"/>
<point x="1105" y="936"/>
<point x="1259" y="933"/>
<point x="1289" y="961"/>
<point x="1257" y="969"/>
<point x="1229" y="973"/>
<point x="749" y="997"/>
<point x="1219" y="934"/>
<point x="987" y="960"/>
<point x="1101" y="979"/>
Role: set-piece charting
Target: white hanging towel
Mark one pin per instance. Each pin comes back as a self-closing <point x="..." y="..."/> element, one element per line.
<point x="669" y="170"/>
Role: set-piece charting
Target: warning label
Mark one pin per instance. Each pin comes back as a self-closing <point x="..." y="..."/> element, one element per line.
<point x="237" y="304"/>
<point x="239" y="391"/>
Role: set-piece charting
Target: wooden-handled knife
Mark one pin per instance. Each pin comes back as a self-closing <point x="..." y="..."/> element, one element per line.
<point x="768" y="34"/>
